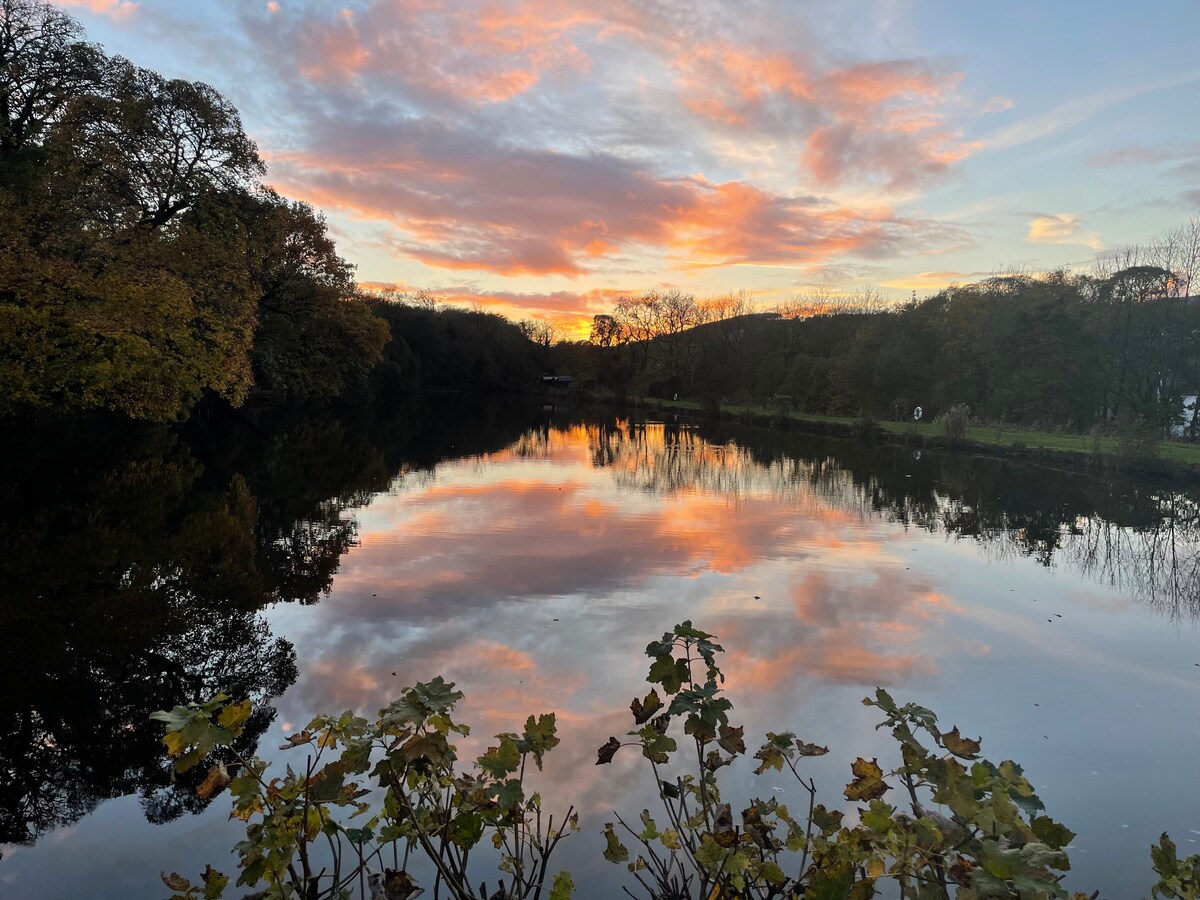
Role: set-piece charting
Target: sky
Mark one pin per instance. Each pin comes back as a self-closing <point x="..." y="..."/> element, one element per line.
<point x="539" y="158"/>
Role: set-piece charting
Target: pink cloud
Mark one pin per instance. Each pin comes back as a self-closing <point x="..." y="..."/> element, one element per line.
<point x="471" y="132"/>
<point x="113" y="9"/>
<point x="459" y="202"/>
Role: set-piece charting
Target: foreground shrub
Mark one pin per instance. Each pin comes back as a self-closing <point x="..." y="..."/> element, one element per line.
<point x="960" y="825"/>
<point x="428" y="806"/>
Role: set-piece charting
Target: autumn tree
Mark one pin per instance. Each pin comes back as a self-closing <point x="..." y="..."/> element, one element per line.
<point x="316" y="337"/>
<point x="44" y="65"/>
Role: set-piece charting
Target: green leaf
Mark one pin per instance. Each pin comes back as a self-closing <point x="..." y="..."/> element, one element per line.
<point x="669" y="672"/>
<point x="540" y="737"/>
<point x="1051" y="833"/>
<point x="614" y="850"/>
<point x="655" y="746"/>
<point x="773" y="874"/>
<point x="1164" y="857"/>
<point x="214" y="883"/>
<point x="650" y="828"/>
<point x="503" y="759"/>
<point x="507" y="793"/>
<point x="827" y="821"/>
<point x="234" y="716"/>
<point x="562" y="887"/>
<point x="467" y="830"/>
<point x="878" y="816"/>
<point x="830" y="882"/>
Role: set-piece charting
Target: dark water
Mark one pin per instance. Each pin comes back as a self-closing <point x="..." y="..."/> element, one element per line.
<point x="529" y="556"/>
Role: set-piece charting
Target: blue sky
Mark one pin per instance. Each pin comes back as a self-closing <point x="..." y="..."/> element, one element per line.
<point x="543" y="156"/>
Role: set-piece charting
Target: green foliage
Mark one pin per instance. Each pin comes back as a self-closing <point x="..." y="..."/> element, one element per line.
<point x="1178" y="879"/>
<point x="942" y="823"/>
<point x="427" y="803"/>
<point x="317" y="339"/>
<point x="969" y="828"/>
<point x="1060" y="349"/>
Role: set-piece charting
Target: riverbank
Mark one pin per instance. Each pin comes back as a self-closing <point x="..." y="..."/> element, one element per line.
<point x="1173" y="459"/>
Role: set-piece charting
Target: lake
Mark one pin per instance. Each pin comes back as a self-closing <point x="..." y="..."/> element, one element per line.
<point x="529" y="554"/>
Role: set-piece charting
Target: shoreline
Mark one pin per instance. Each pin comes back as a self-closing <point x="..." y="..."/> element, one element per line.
<point x="1175" y="460"/>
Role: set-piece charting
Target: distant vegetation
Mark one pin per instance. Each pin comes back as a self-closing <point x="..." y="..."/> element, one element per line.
<point x="1062" y="350"/>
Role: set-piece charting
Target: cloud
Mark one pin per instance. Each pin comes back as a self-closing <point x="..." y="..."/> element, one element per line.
<point x="929" y="281"/>
<point x="467" y="573"/>
<point x="427" y="53"/>
<point x="877" y="123"/>
<point x="112" y="9"/>
<point x="1060" y="229"/>
<point x="529" y="137"/>
<point x="547" y="139"/>
<point x="1078" y="110"/>
<point x="1139" y="154"/>
<point x="460" y="200"/>
<point x="997" y="105"/>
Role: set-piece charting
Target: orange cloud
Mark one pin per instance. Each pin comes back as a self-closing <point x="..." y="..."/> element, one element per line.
<point x="399" y="121"/>
<point x="482" y="207"/>
<point x="1060" y="229"/>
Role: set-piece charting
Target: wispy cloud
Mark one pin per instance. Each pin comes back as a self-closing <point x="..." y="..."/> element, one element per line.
<point x="1075" y="112"/>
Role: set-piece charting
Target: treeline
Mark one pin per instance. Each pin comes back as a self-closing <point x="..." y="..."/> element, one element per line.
<point x="1064" y="349"/>
<point x="145" y="267"/>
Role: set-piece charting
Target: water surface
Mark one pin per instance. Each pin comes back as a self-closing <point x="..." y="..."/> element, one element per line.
<point x="529" y="556"/>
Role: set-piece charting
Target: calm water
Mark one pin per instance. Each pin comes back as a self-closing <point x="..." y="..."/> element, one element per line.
<point x="529" y="556"/>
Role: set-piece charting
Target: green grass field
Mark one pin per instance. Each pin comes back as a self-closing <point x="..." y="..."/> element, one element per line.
<point x="996" y="436"/>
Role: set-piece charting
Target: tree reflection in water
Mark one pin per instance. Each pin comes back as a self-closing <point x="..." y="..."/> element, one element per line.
<point x="135" y="567"/>
<point x="1138" y="537"/>
<point x="135" y="564"/>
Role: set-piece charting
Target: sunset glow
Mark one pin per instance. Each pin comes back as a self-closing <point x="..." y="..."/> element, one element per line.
<point x="540" y="157"/>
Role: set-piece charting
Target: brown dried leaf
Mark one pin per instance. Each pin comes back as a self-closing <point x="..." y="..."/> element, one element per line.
<point x="868" y="782"/>
<point x="214" y="782"/>
<point x="962" y="747"/>
<point x="605" y="754"/>
<point x="175" y="881"/>
<point x="644" y="710"/>
<point x="731" y="740"/>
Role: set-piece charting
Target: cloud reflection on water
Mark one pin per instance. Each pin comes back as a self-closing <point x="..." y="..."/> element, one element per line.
<point x="533" y="577"/>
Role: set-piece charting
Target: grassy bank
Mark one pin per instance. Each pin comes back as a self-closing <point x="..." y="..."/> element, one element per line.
<point x="1174" y="457"/>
